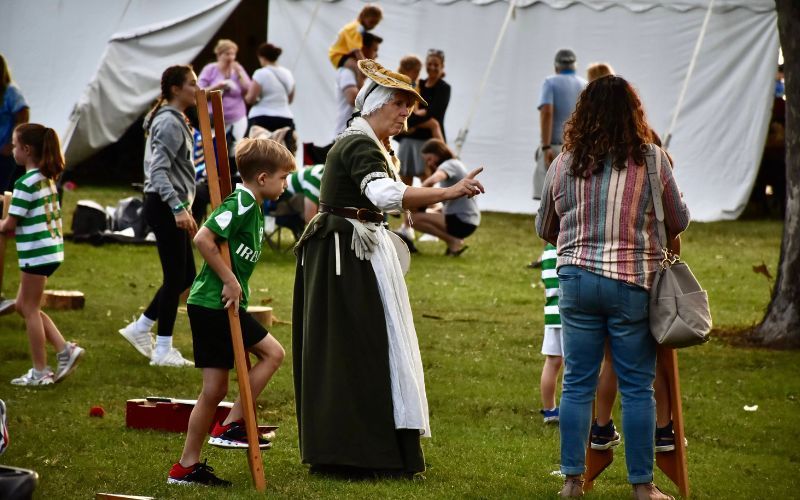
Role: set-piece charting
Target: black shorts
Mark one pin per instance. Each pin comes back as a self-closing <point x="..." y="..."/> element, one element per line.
<point x="211" y="335"/>
<point x="46" y="270"/>
<point x="458" y="228"/>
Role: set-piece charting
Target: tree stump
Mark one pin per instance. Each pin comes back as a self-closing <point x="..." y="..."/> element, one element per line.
<point x="262" y="314"/>
<point x="63" y="299"/>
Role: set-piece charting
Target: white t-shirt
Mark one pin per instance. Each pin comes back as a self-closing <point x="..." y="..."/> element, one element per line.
<point x="276" y="85"/>
<point x="344" y="78"/>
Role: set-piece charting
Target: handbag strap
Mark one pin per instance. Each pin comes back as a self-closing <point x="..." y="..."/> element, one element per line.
<point x="653" y="161"/>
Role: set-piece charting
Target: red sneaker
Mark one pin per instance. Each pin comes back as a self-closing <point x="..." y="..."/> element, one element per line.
<point x="196" y="474"/>
<point x="234" y="435"/>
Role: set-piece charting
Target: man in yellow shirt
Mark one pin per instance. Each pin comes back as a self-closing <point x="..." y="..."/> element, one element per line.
<point x="350" y="38"/>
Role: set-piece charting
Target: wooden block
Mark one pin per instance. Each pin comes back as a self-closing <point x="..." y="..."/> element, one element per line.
<point x="63" y="299"/>
<point x="262" y="314"/>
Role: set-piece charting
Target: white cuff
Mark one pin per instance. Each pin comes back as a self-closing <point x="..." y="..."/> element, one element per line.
<point x="386" y="194"/>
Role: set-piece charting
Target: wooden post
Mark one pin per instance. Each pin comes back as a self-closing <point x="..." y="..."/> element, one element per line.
<point x="6" y="206"/>
<point x="672" y="463"/>
<point x="214" y="185"/>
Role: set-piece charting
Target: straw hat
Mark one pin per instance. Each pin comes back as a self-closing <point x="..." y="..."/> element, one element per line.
<point x="387" y="78"/>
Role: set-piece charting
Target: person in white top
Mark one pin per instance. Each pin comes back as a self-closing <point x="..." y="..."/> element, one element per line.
<point x="348" y="84"/>
<point x="271" y="92"/>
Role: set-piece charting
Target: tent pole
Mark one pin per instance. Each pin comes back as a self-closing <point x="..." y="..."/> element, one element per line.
<point x="305" y="35"/>
<point x="682" y="95"/>
<point x="462" y="134"/>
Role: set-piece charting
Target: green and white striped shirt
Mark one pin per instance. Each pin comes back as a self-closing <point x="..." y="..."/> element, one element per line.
<point x="39" y="236"/>
<point x="552" y="318"/>
<point x="307" y="180"/>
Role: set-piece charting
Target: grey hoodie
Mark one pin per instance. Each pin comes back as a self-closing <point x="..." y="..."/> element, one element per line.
<point x="168" y="166"/>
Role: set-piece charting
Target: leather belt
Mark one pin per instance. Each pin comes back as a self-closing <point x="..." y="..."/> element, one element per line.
<point x="360" y="214"/>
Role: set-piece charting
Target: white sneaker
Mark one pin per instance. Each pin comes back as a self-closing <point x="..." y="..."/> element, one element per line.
<point x="428" y="237"/>
<point x="141" y="340"/>
<point x="68" y="361"/>
<point x="3" y="428"/>
<point x="7" y="306"/>
<point x="173" y="357"/>
<point x="30" y="379"/>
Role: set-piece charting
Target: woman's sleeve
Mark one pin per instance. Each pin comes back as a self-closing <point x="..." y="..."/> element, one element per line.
<point x="438" y="107"/>
<point x="386" y="193"/>
<point x="205" y="79"/>
<point x="165" y="142"/>
<point x="676" y="213"/>
<point x="548" y="224"/>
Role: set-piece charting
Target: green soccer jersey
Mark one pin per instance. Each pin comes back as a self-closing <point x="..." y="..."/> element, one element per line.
<point x="239" y="221"/>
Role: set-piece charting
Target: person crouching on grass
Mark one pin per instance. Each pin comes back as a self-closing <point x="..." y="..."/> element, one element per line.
<point x="35" y="216"/>
<point x="264" y="166"/>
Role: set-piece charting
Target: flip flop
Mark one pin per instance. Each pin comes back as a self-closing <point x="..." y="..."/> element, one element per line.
<point x="456" y="253"/>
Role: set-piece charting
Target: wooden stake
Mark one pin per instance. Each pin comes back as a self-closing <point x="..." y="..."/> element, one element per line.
<point x="672" y="463"/>
<point x="6" y="206"/>
<point x="214" y="188"/>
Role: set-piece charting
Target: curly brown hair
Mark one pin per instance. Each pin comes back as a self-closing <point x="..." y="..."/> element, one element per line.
<point x="608" y="122"/>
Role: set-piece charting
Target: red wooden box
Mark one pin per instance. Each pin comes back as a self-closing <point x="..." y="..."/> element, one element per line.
<point x="166" y="414"/>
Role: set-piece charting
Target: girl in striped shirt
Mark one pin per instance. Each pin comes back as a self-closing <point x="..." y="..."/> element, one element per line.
<point x="35" y="215"/>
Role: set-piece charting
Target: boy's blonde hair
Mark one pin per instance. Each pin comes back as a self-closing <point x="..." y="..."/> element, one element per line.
<point x="254" y="156"/>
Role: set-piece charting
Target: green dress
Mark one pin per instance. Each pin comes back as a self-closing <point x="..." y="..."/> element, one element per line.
<point x="341" y="349"/>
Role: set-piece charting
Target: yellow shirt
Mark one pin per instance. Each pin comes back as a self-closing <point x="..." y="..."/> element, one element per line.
<point x="349" y="39"/>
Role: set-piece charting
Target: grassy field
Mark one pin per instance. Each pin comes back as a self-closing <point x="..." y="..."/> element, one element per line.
<point x="482" y="367"/>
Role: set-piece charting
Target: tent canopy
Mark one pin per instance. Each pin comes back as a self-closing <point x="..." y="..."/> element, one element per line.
<point x="717" y="141"/>
<point x="89" y="69"/>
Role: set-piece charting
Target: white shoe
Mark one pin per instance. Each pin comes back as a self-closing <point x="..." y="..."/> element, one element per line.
<point x="141" y="340"/>
<point x="3" y="428"/>
<point x="30" y="379"/>
<point x="68" y="361"/>
<point x="173" y="358"/>
<point x="428" y="237"/>
<point x="7" y="306"/>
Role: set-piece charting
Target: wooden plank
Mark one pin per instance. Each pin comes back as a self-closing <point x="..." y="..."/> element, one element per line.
<point x="674" y="463"/>
<point x="248" y="404"/>
<point x="6" y="206"/>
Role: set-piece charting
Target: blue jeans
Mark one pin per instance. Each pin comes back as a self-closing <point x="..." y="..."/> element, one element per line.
<point x="592" y="308"/>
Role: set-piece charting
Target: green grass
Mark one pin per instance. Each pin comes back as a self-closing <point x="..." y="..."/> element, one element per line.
<point x="482" y="367"/>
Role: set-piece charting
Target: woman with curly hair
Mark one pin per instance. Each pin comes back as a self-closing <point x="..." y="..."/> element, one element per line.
<point x="597" y="209"/>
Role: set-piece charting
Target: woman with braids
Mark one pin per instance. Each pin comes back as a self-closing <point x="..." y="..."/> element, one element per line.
<point x="597" y="209"/>
<point x="35" y="216"/>
<point x="169" y="189"/>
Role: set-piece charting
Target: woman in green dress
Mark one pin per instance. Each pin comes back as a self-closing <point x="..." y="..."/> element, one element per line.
<point x="359" y="385"/>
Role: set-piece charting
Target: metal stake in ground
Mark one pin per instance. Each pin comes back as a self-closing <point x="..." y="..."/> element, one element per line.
<point x="248" y="407"/>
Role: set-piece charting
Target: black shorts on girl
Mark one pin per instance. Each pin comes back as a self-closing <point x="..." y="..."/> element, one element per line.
<point x="458" y="228"/>
<point x="211" y="335"/>
<point x="45" y="270"/>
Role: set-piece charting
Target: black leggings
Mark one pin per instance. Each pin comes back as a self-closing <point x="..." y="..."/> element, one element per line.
<point x="177" y="263"/>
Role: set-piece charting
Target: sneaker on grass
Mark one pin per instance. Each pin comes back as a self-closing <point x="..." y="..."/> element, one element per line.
<point x="68" y="360"/>
<point x="234" y="435"/>
<point x="550" y="416"/>
<point x="198" y="473"/>
<point x="173" y="358"/>
<point x="604" y="437"/>
<point x="3" y="427"/>
<point x="665" y="439"/>
<point x="31" y="378"/>
<point x="141" y="340"/>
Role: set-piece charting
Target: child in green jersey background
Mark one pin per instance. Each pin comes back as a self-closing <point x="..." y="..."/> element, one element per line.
<point x="264" y="166"/>
<point x="552" y="344"/>
<point x="35" y="217"/>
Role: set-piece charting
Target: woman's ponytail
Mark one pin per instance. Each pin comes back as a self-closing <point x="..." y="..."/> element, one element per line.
<point x="52" y="162"/>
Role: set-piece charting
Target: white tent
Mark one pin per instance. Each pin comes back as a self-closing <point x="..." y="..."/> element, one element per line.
<point x="90" y="68"/>
<point x="720" y="131"/>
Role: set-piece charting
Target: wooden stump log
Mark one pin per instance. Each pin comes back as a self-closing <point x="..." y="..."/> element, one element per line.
<point x="63" y="299"/>
<point x="262" y="314"/>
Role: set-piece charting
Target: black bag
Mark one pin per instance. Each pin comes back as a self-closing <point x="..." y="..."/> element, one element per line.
<point x="129" y="214"/>
<point x="89" y="221"/>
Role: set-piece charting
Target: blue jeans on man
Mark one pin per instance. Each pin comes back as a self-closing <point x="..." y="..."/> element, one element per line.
<point x="592" y="308"/>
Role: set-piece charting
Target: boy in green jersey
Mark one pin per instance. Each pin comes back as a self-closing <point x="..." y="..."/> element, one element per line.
<point x="264" y="166"/>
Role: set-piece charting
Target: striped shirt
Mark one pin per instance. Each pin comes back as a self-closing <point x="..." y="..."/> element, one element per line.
<point x="39" y="234"/>
<point x="550" y="279"/>
<point x="606" y="223"/>
<point x="307" y="181"/>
